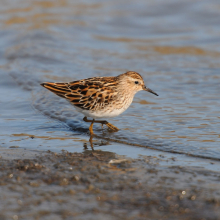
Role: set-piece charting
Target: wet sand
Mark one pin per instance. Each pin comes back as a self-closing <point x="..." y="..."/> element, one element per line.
<point x="102" y="185"/>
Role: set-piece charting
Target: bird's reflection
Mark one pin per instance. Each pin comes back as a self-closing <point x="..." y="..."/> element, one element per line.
<point x="98" y="153"/>
<point x="92" y="143"/>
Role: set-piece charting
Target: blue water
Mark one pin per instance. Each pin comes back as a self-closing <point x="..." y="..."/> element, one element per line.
<point x="173" y="45"/>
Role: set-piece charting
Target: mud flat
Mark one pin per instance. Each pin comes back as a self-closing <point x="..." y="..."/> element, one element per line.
<point x="102" y="185"/>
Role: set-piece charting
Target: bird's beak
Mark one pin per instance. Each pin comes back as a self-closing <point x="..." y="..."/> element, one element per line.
<point x="149" y="90"/>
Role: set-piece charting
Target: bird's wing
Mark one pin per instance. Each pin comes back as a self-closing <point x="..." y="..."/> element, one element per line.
<point x="88" y="94"/>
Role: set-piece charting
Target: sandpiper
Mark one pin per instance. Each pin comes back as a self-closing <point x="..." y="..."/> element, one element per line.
<point x="101" y="97"/>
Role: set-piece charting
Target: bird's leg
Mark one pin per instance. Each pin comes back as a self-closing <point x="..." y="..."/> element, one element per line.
<point x="112" y="127"/>
<point x="86" y="120"/>
<point x="91" y="128"/>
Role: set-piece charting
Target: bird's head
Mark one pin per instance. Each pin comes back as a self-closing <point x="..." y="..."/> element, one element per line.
<point x="134" y="82"/>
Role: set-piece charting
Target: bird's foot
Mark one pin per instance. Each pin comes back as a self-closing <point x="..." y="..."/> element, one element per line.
<point x="112" y="127"/>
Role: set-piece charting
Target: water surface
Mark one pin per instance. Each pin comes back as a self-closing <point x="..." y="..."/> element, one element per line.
<point x="173" y="45"/>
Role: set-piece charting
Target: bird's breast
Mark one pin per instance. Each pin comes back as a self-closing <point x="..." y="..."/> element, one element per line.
<point x="112" y="109"/>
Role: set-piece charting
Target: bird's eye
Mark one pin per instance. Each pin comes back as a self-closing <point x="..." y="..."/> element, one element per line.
<point x="136" y="82"/>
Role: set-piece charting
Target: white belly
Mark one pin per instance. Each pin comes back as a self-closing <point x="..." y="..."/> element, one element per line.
<point x="107" y="112"/>
<point x="100" y="114"/>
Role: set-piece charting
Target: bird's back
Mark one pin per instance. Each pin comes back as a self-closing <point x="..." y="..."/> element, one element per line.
<point x="89" y="94"/>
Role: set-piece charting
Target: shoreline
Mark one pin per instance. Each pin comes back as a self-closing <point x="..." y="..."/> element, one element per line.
<point x="103" y="185"/>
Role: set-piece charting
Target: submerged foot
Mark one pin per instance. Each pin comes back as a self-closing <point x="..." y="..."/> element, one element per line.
<point x="112" y="127"/>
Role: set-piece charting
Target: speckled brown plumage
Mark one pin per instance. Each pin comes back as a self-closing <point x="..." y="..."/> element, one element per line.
<point x="87" y="94"/>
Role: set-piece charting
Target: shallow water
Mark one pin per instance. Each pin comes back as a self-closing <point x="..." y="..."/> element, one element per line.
<point x="173" y="45"/>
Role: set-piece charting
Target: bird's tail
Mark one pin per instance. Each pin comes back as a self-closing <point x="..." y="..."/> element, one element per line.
<point x="60" y="89"/>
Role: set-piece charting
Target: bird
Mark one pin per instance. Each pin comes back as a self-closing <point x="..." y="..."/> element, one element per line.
<point x="100" y="97"/>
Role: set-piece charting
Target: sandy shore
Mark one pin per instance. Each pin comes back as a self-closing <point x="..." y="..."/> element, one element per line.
<point x="102" y="185"/>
